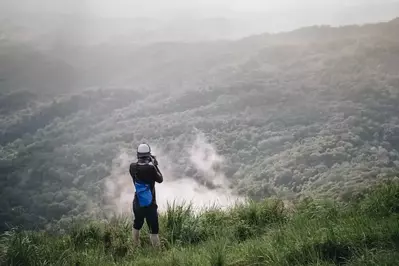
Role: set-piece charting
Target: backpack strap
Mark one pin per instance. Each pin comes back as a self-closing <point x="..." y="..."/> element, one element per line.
<point x="135" y="176"/>
<point x="135" y="171"/>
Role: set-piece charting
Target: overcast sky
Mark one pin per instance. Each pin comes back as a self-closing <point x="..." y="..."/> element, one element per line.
<point x="133" y="8"/>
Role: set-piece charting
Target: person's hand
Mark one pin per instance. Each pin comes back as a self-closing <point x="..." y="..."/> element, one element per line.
<point x="154" y="160"/>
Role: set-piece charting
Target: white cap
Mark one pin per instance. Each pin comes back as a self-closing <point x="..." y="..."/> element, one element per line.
<point x="144" y="149"/>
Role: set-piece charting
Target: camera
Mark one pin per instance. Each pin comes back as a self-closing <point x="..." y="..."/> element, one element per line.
<point x="154" y="160"/>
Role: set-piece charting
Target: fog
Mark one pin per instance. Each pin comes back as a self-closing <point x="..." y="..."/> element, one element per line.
<point x="213" y="191"/>
<point x="135" y="8"/>
<point x="80" y="81"/>
<point x="187" y="20"/>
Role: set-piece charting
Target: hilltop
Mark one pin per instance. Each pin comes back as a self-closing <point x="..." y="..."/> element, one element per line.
<point x="308" y="112"/>
<point x="362" y="232"/>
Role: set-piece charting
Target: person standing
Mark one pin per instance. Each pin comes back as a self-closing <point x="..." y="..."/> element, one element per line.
<point x="145" y="173"/>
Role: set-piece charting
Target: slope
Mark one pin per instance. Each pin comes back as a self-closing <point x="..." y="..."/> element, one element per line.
<point x="312" y="111"/>
<point x="362" y="232"/>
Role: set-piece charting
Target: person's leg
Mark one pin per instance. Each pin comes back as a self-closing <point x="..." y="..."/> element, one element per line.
<point x="153" y="225"/>
<point x="138" y="223"/>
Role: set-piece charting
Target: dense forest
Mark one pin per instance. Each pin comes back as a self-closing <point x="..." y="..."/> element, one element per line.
<point x="308" y="112"/>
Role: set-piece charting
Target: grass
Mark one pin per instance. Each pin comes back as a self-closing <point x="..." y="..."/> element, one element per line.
<point x="364" y="231"/>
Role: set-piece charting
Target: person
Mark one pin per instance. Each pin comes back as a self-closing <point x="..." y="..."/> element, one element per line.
<point x="145" y="173"/>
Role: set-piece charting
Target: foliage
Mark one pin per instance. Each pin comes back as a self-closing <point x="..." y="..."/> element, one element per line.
<point x="354" y="236"/>
<point x="305" y="113"/>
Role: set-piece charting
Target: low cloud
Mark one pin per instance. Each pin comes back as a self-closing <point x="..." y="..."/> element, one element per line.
<point x="212" y="189"/>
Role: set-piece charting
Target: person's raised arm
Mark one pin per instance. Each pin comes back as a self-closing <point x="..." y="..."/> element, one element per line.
<point x="158" y="176"/>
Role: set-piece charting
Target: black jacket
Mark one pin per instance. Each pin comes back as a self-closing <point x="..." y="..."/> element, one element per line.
<point x="146" y="173"/>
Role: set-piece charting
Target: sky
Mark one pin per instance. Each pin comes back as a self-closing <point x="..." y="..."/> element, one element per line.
<point x="243" y="17"/>
<point x="135" y="8"/>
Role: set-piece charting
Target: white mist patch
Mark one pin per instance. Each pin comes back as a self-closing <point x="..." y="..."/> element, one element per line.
<point x="189" y="191"/>
<point x="176" y="187"/>
<point x="119" y="187"/>
<point x="204" y="157"/>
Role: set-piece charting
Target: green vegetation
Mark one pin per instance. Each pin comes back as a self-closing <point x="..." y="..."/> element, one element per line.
<point x="312" y="232"/>
<point x="309" y="112"/>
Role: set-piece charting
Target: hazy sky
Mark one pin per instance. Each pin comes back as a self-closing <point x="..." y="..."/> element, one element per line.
<point x="128" y="8"/>
<point x="148" y="7"/>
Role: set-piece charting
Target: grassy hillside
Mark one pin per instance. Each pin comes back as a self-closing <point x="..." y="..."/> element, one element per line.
<point x="362" y="232"/>
<point x="309" y="112"/>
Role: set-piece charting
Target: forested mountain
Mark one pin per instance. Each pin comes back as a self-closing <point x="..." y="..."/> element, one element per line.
<point x="309" y="111"/>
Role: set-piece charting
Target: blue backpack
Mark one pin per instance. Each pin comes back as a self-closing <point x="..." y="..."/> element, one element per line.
<point x="143" y="192"/>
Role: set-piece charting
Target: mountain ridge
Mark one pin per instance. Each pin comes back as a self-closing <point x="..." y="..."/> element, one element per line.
<point x="291" y="116"/>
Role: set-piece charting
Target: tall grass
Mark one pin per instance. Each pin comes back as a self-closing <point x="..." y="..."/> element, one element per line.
<point x="362" y="232"/>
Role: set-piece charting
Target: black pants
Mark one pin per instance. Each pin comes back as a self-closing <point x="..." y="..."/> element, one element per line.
<point x="150" y="214"/>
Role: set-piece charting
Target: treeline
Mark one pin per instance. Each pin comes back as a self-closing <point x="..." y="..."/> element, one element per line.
<point x="292" y="115"/>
